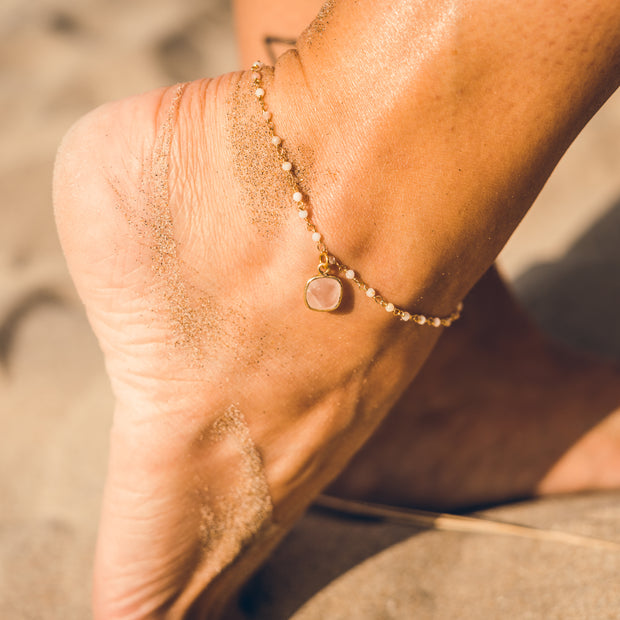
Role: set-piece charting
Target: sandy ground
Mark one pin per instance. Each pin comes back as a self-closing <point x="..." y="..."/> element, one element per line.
<point x="59" y="59"/>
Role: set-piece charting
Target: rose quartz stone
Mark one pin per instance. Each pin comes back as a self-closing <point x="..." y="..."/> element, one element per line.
<point x="323" y="293"/>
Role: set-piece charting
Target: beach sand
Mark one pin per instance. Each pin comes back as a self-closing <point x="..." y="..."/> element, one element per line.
<point x="59" y="59"/>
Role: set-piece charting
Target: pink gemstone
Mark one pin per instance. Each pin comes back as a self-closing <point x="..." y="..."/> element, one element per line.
<point x="323" y="293"/>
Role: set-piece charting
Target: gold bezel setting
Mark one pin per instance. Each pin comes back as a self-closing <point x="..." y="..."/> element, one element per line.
<point x="323" y="277"/>
<point x="329" y="263"/>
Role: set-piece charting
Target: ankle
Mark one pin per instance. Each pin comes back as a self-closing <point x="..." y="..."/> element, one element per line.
<point x="366" y="218"/>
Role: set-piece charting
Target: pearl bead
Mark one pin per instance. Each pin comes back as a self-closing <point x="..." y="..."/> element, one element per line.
<point x="259" y="63"/>
<point x="314" y="292"/>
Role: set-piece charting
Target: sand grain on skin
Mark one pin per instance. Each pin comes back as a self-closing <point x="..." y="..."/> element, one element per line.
<point x="233" y="512"/>
<point x="319" y="23"/>
<point x="192" y="311"/>
<point x="194" y="316"/>
<point x="256" y="165"/>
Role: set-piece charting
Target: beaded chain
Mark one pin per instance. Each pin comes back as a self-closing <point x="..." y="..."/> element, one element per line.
<point x="328" y="263"/>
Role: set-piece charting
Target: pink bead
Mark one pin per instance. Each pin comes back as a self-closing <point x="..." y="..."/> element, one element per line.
<point x="323" y="293"/>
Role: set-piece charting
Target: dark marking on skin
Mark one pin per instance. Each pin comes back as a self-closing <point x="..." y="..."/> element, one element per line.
<point x="276" y="46"/>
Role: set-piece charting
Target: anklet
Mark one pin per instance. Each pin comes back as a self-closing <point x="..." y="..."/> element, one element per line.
<point x="323" y="292"/>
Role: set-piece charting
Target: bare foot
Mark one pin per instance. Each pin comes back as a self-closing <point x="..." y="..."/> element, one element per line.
<point x="498" y="413"/>
<point x="235" y="404"/>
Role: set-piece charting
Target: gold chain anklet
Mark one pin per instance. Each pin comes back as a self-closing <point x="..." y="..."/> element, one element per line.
<point x="323" y="292"/>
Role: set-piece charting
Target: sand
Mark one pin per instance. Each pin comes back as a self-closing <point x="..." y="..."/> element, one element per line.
<point x="59" y="59"/>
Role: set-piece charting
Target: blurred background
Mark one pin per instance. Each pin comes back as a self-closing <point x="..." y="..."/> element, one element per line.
<point x="59" y="59"/>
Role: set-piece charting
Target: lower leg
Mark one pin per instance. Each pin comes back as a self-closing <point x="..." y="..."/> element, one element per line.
<point x="520" y="405"/>
<point x="498" y="413"/>
<point x="192" y="285"/>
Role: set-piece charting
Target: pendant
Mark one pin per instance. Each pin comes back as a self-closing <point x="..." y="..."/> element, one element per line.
<point x="323" y="293"/>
